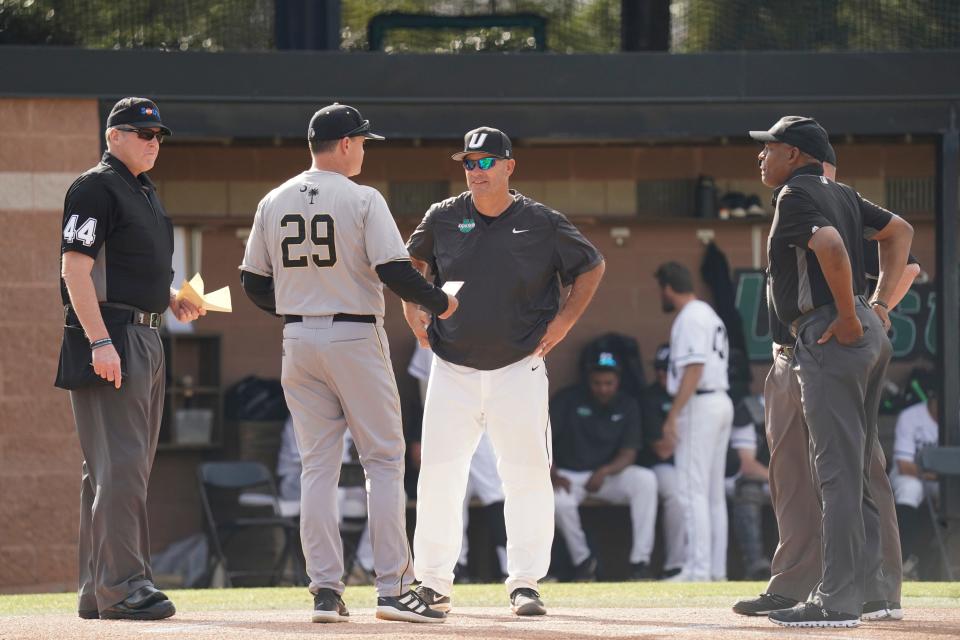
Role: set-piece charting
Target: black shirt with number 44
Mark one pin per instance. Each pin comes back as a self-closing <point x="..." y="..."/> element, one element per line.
<point x="116" y="218"/>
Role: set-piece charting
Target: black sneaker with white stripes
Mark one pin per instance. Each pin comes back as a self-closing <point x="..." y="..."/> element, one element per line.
<point x="328" y="607"/>
<point x="407" y="607"/>
<point x="434" y="600"/>
<point x="809" y="614"/>
<point x="526" y="602"/>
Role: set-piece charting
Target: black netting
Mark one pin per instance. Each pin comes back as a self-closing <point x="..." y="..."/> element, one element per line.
<point x="176" y="25"/>
<point x="570" y="26"/>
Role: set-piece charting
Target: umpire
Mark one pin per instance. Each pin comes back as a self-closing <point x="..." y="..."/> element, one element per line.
<point x="116" y="256"/>
<point x="841" y="351"/>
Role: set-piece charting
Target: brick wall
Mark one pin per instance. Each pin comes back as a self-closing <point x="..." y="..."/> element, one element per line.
<point x="44" y="145"/>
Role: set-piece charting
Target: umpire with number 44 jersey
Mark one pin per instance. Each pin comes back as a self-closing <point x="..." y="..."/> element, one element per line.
<point x="116" y="255"/>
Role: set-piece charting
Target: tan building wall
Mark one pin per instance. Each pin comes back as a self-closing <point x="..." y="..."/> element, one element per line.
<point x="215" y="189"/>
<point x="44" y="145"/>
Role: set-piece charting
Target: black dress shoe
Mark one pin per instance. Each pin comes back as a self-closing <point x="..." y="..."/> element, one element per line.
<point x="146" y="603"/>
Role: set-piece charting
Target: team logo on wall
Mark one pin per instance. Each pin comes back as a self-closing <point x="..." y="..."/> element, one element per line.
<point x="467" y="225"/>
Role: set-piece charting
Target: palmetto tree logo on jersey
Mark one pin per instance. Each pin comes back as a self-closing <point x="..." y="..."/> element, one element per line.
<point x="311" y="191"/>
<point x="467" y="225"/>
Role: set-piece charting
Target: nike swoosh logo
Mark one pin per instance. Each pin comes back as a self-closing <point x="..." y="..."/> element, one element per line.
<point x="535" y="368"/>
<point x="520" y="231"/>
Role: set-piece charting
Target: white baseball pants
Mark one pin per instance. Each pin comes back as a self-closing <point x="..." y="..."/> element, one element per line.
<point x="634" y="486"/>
<point x="511" y="405"/>
<point x="703" y="434"/>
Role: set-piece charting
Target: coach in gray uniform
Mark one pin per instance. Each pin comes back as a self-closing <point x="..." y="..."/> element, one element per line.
<point x="319" y="252"/>
<point x="513" y="254"/>
<point x="797" y="564"/>
<point x="815" y="253"/>
<point x="117" y="250"/>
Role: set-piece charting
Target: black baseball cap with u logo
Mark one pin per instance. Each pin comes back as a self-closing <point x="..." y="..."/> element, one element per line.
<point x="488" y="140"/>
<point x="337" y="121"/>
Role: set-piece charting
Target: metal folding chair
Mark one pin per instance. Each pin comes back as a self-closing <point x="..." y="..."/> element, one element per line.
<point x="221" y="485"/>
<point x="943" y="461"/>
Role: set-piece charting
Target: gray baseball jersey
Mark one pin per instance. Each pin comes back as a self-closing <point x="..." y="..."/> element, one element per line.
<point x="320" y="236"/>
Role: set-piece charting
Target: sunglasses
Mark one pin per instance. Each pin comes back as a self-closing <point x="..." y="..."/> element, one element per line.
<point x="144" y="134"/>
<point x="483" y="163"/>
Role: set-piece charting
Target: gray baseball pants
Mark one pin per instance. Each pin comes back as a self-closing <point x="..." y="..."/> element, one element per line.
<point x="337" y="376"/>
<point x="797" y="563"/>
<point x="118" y="431"/>
<point x="836" y="384"/>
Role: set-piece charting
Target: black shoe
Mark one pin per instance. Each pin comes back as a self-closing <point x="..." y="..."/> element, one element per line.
<point x="882" y="610"/>
<point x="407" y="607"/>
<point x="586" y="571"/>
<point x="763" y="605"/>
<point x="146" y="603"/>
<point x="328" y="607"/>
<point x="526" y="602"/>
<point x="808" y="614"/>
<point x="639" y="571"/>
<point x="89" y="614"/>
<point x="434" y="600"/>
<point x="669" y="573"/>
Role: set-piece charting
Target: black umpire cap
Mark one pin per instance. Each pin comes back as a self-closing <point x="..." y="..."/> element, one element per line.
<point x="801" y="132"/>
<point x="136" y="112"/>
<point x="337" y="121"/>
<point x="488" y="140"/>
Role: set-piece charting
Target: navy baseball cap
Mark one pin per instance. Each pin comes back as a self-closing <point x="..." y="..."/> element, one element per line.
<point x="801" y="132"/>
<point x="339" y="121"/>
<point x="136" y="112"/>
<point x="488" y="140"/>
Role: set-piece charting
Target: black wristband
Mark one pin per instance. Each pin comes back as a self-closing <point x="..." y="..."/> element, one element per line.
<point x="102" y="342"/>
<point x="881" y="303"/>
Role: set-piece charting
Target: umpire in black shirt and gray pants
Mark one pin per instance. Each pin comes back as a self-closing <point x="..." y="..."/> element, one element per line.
<point x="815" y="255"/>
<point x="117" y="250"/>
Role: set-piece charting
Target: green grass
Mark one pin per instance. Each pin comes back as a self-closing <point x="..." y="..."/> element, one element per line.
<point x="609" y="594"/>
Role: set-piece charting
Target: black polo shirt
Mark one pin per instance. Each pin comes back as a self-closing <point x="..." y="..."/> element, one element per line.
<point x="871" y="265"/>
<point x="805" y="204"/>
<point x="587" y="436"/>
<point x="656" y="405"/>
<point x="116" y="218"/>
<point x="512" y="269"/>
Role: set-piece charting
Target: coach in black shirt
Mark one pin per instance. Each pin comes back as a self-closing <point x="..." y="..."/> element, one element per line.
<point x="117" y="249"/>
<point x="816" y="285"/>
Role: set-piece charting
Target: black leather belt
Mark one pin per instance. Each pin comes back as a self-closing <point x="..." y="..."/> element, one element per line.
<point x="337" y="317"/>
<point x="111" y="313"/>
<point x="703" y="392"/>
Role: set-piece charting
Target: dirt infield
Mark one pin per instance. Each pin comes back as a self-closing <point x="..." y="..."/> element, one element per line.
<point x="478" y="623"/>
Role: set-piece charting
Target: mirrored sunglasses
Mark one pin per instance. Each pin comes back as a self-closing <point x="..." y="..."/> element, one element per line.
<point x="483" y="163"/>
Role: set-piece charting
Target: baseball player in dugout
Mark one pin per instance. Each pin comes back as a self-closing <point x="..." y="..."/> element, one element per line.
<point x="116" y="269"/>
<point x="829" y="377"/>
<point x="699" y="421"/>
<point x="512" y="255"/>
<point x="320" y="250"/>
<point x="797" y="565"/>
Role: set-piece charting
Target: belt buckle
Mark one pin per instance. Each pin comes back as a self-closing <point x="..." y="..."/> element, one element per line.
<point x="155" y="320"/>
